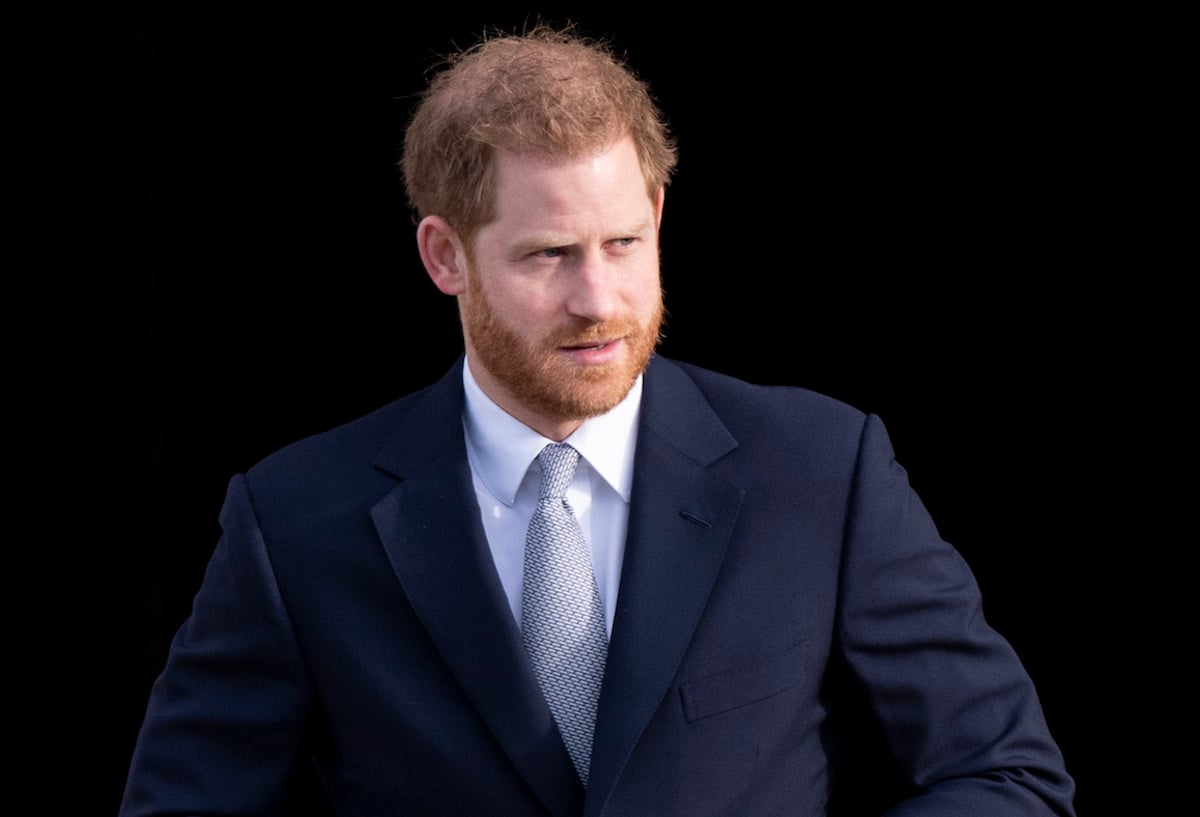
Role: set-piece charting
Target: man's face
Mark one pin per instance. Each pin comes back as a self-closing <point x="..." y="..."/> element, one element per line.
<point x="563" y="303"/>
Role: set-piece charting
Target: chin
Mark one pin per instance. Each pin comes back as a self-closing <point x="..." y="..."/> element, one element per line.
<point x="594" y="394"/>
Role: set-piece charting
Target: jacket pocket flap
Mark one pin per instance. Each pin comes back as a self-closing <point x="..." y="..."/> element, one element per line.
<point x="743" y="685"/>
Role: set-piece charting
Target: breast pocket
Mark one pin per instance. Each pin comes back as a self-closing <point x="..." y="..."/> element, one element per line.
<point x="743" y="685"/>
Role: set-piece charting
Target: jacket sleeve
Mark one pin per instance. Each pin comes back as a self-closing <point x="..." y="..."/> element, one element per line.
<point x="225" y="722"/>
<point x="958" y="713"/>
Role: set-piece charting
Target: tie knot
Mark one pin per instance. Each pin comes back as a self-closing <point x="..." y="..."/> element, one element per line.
<point x="558" y="462"/>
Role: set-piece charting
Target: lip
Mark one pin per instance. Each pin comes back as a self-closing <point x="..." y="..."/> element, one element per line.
<point x="595" y="354"/>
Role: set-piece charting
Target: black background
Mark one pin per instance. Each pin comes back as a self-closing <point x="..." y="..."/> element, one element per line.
<point x="980" y="227"/>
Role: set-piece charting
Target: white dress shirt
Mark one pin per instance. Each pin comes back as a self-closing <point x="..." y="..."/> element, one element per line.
<point x="501" y="450"/>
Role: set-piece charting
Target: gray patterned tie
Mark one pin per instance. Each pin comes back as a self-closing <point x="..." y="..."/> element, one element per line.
<point x="562" y="621"/>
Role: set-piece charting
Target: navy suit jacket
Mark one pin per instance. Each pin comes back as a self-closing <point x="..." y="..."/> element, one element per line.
<point x="786" y="603"/>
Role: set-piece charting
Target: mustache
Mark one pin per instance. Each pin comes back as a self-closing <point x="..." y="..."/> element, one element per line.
<point x="592" y="334"/>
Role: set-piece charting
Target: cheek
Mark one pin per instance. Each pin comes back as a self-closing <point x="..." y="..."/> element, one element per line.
<point x="523" y="308"/>
<point x="644" y="290"/>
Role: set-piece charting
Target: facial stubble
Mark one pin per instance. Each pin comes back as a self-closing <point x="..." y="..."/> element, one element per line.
<point x="539" y="377"/>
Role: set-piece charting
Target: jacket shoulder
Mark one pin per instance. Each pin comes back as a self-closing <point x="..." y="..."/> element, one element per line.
<point x="414" y="428"/>
<point x="356" y="440"/>
<point x="751" y="410"/>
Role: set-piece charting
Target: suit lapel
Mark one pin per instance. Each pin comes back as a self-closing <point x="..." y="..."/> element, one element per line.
<point x="680" y="520"/>
<point x="440" y="554"/>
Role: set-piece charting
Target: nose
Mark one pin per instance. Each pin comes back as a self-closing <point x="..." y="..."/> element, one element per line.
<point x="593" y="293"/>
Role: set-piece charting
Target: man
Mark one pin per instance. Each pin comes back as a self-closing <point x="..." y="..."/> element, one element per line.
<point x="772" y="622"/>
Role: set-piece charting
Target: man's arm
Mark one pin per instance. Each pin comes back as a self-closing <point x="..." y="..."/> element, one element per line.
<point x="225" y="723"/>
<point x="959" y="715"/>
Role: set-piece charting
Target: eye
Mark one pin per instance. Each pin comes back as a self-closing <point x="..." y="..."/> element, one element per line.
<point x="549" y="252"/>
<point x="623" y="242"/>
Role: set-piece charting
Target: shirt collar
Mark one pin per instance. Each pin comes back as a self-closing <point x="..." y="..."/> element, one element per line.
<point x="502" y="447"/>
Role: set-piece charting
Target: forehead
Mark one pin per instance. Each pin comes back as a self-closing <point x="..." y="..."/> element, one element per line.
<point x="609" y="177"/>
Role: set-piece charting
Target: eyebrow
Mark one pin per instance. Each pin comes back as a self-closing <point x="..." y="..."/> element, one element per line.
<point x="533" y="242"/>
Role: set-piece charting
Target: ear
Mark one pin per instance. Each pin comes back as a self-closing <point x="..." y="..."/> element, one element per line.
<point x="658" y="206"/>
<point x="442" y="254"/>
